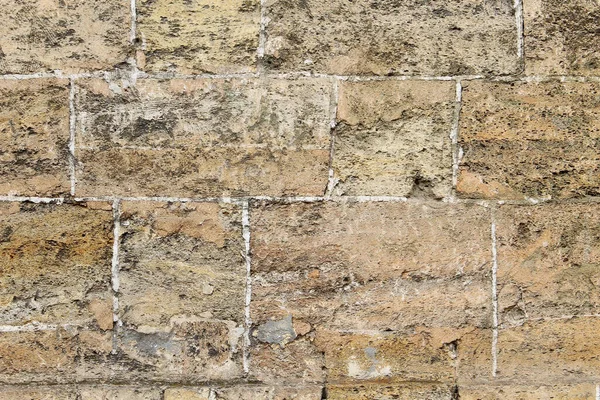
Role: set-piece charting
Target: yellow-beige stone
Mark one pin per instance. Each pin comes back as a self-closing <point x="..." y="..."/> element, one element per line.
<point x="34" y="137"/>
<point x="393" y="138"/>
<point x="529" y="139"/>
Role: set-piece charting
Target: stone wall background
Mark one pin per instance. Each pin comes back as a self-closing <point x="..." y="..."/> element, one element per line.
<point x="299" y="199"/>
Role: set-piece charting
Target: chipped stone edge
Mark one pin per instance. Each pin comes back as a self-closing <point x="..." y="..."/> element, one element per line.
<point x="248" y="294"/>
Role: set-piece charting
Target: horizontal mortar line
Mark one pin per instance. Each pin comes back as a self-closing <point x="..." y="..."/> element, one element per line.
<point x="32" y="327"/>
<point x="216" y="146"/>
<point x="302" y="199"/>
<point x="302" y="74"/>
<point x="156" y="384"/>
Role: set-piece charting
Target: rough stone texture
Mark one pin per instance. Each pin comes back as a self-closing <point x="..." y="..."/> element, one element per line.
<point x="269" y="393"/>
<point x="38" y="393"/>
<point x="187" y="394"/>
<point x="73" y="36"/>
<point x="561" y="38"/>
<point x="204" y="137"/>
<point x="101" y="393"/>
<point x="198" y="36"/>
<point x="394" y="138"/>
<point x="34" y="137"/>
<point x="548" y="259"/>
<point x="55" y="263"/>
<point x="585" y="391"/>
<point x="182" y="282"/>
<point x="551" y="351"/>
<point x="391" y="391"/>
<point x="61" y="355"/>
<point x="527" y="139"/>
<point x="389" y="37"/>
<point x="365" y="266"/>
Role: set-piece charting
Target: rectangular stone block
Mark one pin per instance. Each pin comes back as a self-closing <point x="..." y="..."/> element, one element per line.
<point x="356" y="357"/>
<point x="204" y="137"/>
<point x="62" y="355"/>
<point x="384" y="38"/>
<point x="394" y="138"/>
<point x="119" y="393"/>
<point x="187" y="394"/>
<point x="56" y="263"/>
<point x="38" y="393"/>
<point x="391" y="391"/>
<point x="548" y="258"/>
<point x="371" y="266"/>
<point x="583" y="391"/>
<point x="199" y="36"/>
<point x="268" y="393"/>
<point x="529" y="139"/>
<point x="34" y="137"/>
<point x="561" y="38"/>
<point x="558" y="350"/>
<point x="72" y="36"/>
<point x="182" y="288"/>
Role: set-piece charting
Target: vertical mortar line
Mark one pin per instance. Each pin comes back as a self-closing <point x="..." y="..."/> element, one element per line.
<point x="132" y="34"/>
<point x="597" y="392"/>
<point x="248" y="297"/>
<point x="454" y="136"/>
<point x="116" y="206"/>
<point x="72" y="121"/>
<point x="520" y="33"/>
<point x="494" y="296"/>
<point x="331" y="181"/>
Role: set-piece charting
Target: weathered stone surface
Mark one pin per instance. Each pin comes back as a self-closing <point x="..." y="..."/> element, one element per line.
<point x="551" y="351"/>
<point x="361" y="357"/>
<point x="528" y="139"/>
<point x="34" y="137"/>
<point x="298" y="362"/>
<point x="365" y="266"/>
<point x="561" y="38"/>
<point x="585" y="391"/>
<point x="72" y="36"/>
<point x="55" y="263"/>
<point x="390" y="391"/>
<point x="112" y="393"/>
<point x="198" y="36"/>
<point x="181" y="259"/>
<point x="38" y="393"/>
<point x="394" y="138"/>
<point x="269" y="393"/>
<point x="205" y="137"/>
<point x="548" y="261"/>
<point x="61" y="356"/>
<point x="189" y="350"/>
<point x="187" y="394"/>
<point x="388" y="37"/>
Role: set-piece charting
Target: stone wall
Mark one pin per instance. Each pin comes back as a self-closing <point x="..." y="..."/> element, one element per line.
<point x="278" y="199"/>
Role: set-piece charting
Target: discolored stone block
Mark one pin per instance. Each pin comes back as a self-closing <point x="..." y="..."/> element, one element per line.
<point x="389" y="391"/>
<point x="34" y="137"/>
<point x="583" y="391"/>
<point x="56" y="263"/>
<point x="550" y="351"/>
<point x="204" y="137"/>
<point x="199" y="36"/>
<point x="548" y="258"/>
<point x="371" y="266"/>
<point x="383" y="38"/>
<point x="73" y="36"/>
<point x="120" y="393"/>
<point x="561" y="38"/>
<point x="38" y="393"/>
<point x="529" y="139"/>
<point x="394" y="138"/>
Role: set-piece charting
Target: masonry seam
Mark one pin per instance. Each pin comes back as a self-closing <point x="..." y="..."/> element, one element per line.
<point x="72" y="122"/>
<point x="520" y="35"/>
<point x="494" y="295"/>
<point x="115" y="281"/>
<point x="332" y="181"/>
<point x="456" y="151"/>
<point x="248" y="293"/>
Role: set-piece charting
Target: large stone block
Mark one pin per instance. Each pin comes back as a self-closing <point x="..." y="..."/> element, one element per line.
<point x="205" y="137"/>
<point x="529" y="139"/>
<point x="34" y="137"/>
